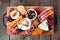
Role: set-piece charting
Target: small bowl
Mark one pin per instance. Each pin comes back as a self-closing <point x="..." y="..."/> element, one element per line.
<point x="20" y="26"/>
<point x="31" y="10"/>
<point x="16" y="16"/>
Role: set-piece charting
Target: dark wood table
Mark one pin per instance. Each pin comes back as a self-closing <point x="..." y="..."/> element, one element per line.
<point x="54" y="3"/>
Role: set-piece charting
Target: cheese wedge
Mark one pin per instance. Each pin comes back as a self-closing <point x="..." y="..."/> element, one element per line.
<point x="44" y="25"/>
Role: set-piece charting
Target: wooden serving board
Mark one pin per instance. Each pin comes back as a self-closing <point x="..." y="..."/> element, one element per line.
<point x="40" y="32"/>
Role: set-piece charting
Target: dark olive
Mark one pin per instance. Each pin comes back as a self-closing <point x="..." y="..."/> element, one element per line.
<point x="31" y="14"/>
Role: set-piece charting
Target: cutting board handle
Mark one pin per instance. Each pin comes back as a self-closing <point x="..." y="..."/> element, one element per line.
<point x="4" y="19"/>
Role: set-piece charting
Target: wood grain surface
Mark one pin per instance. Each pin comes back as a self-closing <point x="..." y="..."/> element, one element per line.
<point x="5" y="3"/>
<point x="3" y="6"/>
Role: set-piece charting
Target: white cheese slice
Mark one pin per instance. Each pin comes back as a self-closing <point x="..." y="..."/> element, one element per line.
<point x="19" y="26"/>
<point x="44" y="25"/>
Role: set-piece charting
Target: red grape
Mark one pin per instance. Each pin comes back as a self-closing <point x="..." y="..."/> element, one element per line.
<point x="8" y="18"/>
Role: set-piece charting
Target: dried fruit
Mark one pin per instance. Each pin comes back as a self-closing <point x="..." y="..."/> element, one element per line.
<point x="37" y="31"/>
<point x="35" y="22"/>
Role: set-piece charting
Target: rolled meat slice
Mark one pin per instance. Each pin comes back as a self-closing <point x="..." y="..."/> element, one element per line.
<point x="39" y="10"/>
<point x="44" y="16"/>
<point x="44" y="11"/>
